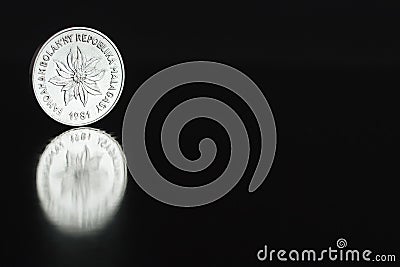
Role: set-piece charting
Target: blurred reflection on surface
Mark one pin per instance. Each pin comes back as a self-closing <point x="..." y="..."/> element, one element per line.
<point x="81" y="180"/>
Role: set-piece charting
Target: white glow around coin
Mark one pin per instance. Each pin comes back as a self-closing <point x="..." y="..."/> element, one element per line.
<point x="81" y="180"/>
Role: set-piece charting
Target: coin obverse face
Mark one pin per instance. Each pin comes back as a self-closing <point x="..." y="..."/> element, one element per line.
<point x="78" y="76"/>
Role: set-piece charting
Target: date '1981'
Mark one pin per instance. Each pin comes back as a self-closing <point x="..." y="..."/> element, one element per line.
<point x="79" y="115"/>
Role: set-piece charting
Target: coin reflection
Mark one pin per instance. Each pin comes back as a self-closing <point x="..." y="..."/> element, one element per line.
<point x="81" y="179"/>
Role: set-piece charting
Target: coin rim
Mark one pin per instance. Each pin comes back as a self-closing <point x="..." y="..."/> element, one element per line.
<point x="35" y="64"/>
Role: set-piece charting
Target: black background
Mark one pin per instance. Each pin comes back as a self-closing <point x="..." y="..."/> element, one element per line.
<point x="329" y="70"/>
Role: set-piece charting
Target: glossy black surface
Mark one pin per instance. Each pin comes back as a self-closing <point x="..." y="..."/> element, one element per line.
<point x="330" y="75"/>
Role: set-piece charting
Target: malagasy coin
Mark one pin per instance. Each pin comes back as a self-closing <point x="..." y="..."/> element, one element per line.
<point x="81" y="179"/>
<point x="78" y="76"/>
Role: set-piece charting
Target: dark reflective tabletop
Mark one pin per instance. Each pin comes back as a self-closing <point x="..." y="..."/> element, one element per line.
<point x="330" y="77"/>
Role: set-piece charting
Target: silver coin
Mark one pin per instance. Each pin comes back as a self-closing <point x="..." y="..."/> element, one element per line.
<point x="78" y="76"/>
<point x="81" y="179"/>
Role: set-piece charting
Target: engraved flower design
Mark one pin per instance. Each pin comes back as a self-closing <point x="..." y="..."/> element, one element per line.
<point x="78" y="76"/>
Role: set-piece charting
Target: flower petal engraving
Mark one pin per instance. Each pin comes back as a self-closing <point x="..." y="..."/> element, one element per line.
<point x="63" y="74"/>
<point x="68" y="87"/>
<point x="62" y="67"/>
<point x="83" y="94"/>
<point x="76" y="92"/>
<point x="92" y="89"/>
<point x="59" y="81"/>
<point x="91" y="64"/>
<point x="70" y="60"/>
<point x="96" y="76"/>
<point x="68" y="96"/>
<point x="79" y="59"/>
